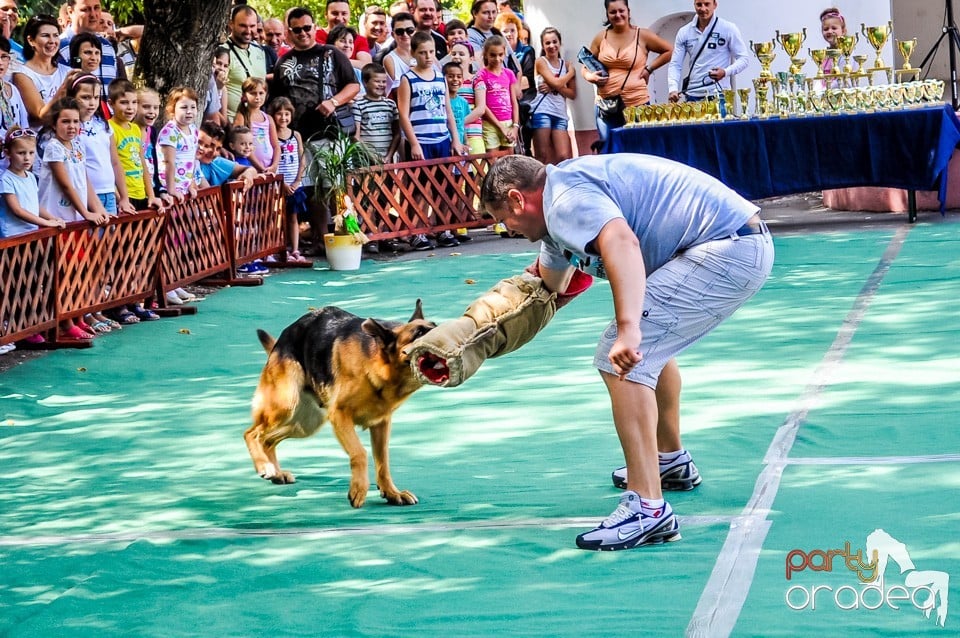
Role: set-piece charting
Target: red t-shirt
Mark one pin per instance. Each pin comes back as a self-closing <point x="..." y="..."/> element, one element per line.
<point x="360" y="43"/>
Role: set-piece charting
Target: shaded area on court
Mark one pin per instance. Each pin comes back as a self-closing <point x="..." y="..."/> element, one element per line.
<point x="131" y="506"/>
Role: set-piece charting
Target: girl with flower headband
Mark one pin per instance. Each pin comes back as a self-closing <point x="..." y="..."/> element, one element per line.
<point x="832" y="25"/>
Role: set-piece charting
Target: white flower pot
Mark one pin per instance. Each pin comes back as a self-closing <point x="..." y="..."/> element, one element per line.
<point x="343" y="251"/>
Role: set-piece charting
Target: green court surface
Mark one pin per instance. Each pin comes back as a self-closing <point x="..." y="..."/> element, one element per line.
<point x="824" y="410"/>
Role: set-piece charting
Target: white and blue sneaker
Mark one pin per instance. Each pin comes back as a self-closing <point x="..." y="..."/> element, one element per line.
<point x="628" y="526"/>
<point x="677" y="475"/>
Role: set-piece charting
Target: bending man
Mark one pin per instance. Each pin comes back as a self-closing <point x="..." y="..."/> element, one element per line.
<point x="682" y="252"/>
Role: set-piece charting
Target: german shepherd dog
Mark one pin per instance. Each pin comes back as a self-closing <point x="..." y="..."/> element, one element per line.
<point x="336" y="366"/>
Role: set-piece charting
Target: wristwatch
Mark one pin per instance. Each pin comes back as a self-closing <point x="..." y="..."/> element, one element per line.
<point x="335" y="103"/>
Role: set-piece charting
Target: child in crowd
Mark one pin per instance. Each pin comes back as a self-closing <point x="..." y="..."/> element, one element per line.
<point x="129" y="144"/>
<point x="240" y="144"/>
<point x="461" y="53"/>
<point x="20" y="210"/>
<point x="148" y="110"/>
<point x="177" y="142"/>
<point x="378" y="124"/>
<point x="832" y="25"/>
<point x="64" y="189"/>
<point x="265" y="152"/>
<point x="453" y="75"/>
<point x="13" y="113"/>
<point x="426" y="118"/>
<point x="101" y="160"/>
<point x="496" y="88"/>
<point x="291" y="166"/>
<point x="129" y="147"/>
<point x="215" y="170"/>
<point x="103" y="164"/>
<point x="556" y="83"/>
<point x="377" y="118"/>
<point x="216" y="110"/>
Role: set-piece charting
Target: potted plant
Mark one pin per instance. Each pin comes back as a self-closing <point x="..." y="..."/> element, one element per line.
<point x="332" y="169"/>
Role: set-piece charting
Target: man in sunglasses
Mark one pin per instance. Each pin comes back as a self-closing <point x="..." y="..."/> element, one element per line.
<point x="319" y="80"/>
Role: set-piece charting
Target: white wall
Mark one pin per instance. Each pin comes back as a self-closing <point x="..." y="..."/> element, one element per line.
<point x="580" y="20"/>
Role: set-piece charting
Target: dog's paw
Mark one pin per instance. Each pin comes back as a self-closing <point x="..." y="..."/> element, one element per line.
<point x="404" y="497"/>
<point x="358" y="494"/>
<point x="273" y="474"/>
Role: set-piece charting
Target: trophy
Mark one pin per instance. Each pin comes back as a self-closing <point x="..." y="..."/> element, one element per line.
<point x="818" y="56"/>
<point x="906" y="49"/>
<point x="765" y="54"/>
<point x="833" y="55"/>
<point x="877" y="37"/>
<point x="791" y="43"/>
<point x="744" y="95"/>
<point x="846" y="44"/>
<point x="760" y="87"/>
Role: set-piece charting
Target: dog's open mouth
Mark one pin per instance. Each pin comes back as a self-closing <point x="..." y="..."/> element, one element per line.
<point x="433" y="368"/>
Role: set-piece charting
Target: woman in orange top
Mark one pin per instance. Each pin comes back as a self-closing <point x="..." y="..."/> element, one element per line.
<point x="623" y="49"/>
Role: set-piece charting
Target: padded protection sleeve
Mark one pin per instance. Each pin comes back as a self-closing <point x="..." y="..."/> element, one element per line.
<point x="501" y="320"/>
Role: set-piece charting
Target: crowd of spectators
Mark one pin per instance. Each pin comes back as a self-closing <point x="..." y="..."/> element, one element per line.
<point x="281" y="89"/>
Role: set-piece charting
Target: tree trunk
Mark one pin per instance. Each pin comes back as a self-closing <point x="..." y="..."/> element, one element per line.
<point x="179" y="39"/>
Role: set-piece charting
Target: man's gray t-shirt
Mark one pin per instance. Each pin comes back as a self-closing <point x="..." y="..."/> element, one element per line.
<point x="669" y="205"/>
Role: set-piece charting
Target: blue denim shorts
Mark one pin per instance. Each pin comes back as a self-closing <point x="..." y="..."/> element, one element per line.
<point x="545" y="120"/>
<point x="689" y="296"/>
<point x="109" y="201"/>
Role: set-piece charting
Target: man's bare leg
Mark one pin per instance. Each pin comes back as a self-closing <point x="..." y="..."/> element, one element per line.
<point x="635" y="416"/>
<point x="668" y="408"/>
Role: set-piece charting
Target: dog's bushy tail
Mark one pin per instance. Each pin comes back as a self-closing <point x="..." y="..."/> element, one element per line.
<point x="266" y="340"/>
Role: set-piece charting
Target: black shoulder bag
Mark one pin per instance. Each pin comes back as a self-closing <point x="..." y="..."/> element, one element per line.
<point x="612" y="107"/>
<point x="686" y="81"/>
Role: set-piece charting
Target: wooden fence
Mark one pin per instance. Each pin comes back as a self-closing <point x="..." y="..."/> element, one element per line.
<point x="49" y="276"/>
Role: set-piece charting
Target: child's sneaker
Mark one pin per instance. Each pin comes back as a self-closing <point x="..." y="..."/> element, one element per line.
<point x="677" y="475"/>
<point x="628" y="526"/>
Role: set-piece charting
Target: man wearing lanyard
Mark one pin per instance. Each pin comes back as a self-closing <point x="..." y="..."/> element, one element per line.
<point x="716" y="52"/>
<point x="247" y="58"/>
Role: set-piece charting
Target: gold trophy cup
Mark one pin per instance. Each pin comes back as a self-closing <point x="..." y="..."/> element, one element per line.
<point x="877" y="37"/>
<point x="846" y="44"/>
<point x="744" y="95"/>
<point x="765" y="54"/>
<point x="906" y="49"/>
<point x="791" y="43"/>
<point x="818" y="56"/>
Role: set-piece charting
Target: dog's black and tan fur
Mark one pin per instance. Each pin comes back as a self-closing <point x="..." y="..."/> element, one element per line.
<point x="331" y="365"/>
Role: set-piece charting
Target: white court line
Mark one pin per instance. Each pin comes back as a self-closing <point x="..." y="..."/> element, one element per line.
<point x="216" y="533"/>
<point x="726" y="592"/>
<point x="873" y="460"/>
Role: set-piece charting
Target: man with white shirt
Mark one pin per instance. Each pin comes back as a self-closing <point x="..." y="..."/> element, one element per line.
<point x="713" y="50"/>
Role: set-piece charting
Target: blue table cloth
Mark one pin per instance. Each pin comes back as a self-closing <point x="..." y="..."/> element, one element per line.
<point x="908" y="149"/>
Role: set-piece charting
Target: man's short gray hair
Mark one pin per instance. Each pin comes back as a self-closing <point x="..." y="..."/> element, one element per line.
<point x="513" y="171"/>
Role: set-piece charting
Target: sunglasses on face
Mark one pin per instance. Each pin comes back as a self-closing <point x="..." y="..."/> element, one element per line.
<point x="407" y="31"/>
<point x="307" y="28"/>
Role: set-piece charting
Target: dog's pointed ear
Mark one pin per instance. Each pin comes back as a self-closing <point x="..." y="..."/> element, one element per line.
<point x="378" y="331"/>
<point x="418" y="311"/>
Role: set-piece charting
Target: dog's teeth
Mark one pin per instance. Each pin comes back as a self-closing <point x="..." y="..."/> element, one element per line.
<point x="439" y="365"/>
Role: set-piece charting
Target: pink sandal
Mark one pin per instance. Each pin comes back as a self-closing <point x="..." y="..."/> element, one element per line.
<point x="76" y="333"/>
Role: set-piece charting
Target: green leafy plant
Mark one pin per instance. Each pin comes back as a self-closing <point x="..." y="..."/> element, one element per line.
<point x="333" y="168"/>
